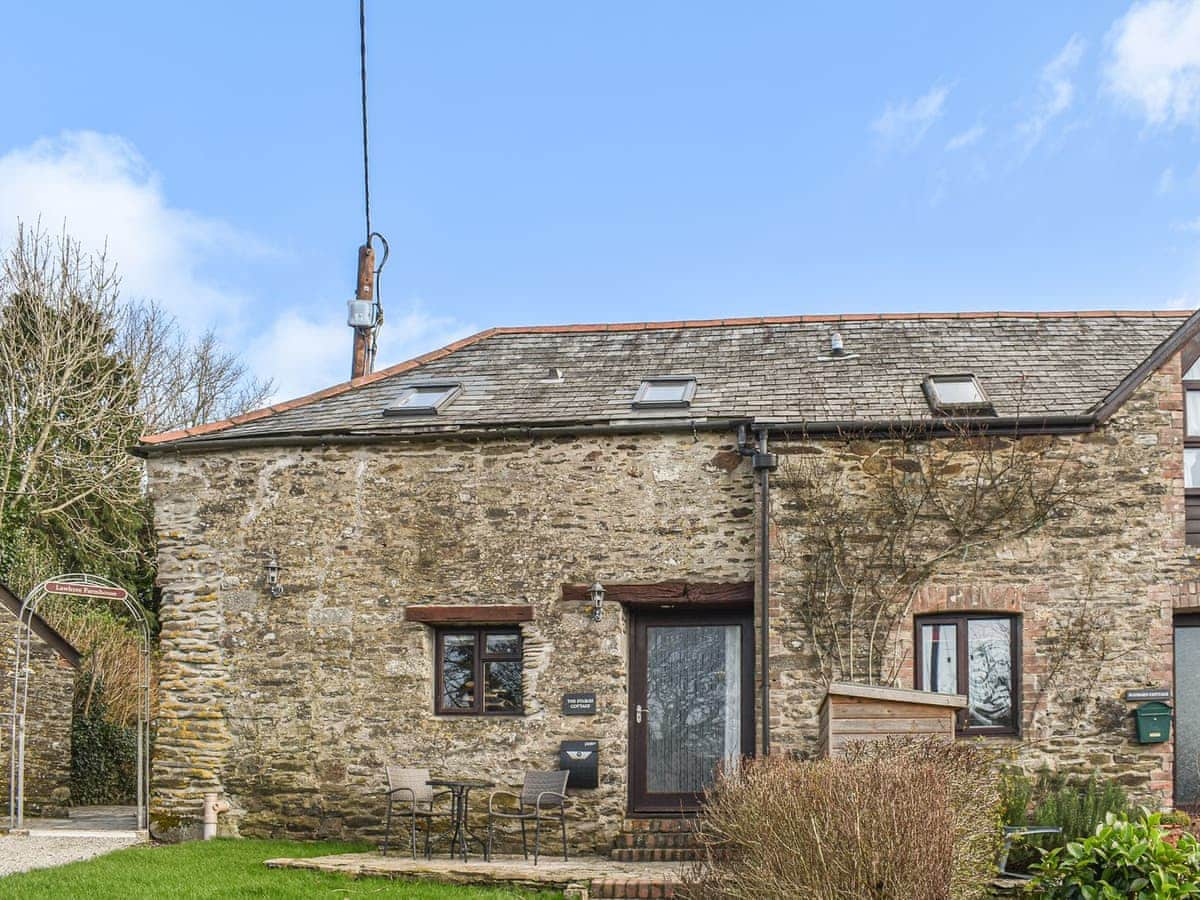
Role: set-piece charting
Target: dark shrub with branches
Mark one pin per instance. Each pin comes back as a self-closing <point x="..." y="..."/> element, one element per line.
<point x="103" y="751"/>
<point x="910" y="819"/>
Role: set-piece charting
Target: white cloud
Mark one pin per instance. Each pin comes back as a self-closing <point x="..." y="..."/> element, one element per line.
<point x="104" y="191"/>
<point x="1166" y="181"/>
<point x="304" y="354"/>
<point x="1193" y="226"/>
<point x="1154" y="61"/>
<point x="965" y="139"/>
<point x="904" y="124"/>
<point x="1183" y="301"/>
<point x="1056" y="91"/>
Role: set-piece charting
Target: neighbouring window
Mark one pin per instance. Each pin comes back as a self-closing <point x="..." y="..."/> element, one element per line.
<point x="977" y="656"/>
<point x="665" y="392"/>
<point x="479" y="671"/>
<point x="423" y="400"/>
<point x="1191" y="453"/>
<point x="957" y="395"/>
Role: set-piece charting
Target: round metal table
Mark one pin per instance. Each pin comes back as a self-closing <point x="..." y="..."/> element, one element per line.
<point x="460" y="791"/>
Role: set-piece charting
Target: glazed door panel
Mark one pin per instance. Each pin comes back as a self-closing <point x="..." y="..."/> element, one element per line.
<point x="691" y="705"/>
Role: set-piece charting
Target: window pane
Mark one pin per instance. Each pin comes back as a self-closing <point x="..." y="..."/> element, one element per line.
<point x="939" y="658"/>
<point x="956" y="390"/>
<point x="502" y="686"/>
<point x="989" y="655"/>
<point x="1193" y="373"/>
<point x="1193" y="413"/>
<point x="505" y="644"/>
<point x="1191" y="467"/>
<point x="425" y="397"/>
<point x="664" y="391"/>
<point x="458" y="671"/>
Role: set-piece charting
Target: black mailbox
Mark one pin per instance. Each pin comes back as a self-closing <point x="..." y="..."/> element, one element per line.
<point x="582" y="760"/>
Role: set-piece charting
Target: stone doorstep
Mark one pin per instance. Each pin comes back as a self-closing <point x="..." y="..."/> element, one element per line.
<point x="614" y="878"/>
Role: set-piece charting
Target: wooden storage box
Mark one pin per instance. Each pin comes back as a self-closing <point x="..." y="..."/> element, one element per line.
<point x="864" y="712"/>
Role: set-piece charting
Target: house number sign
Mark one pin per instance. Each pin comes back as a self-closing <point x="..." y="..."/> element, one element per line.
<point x="1136" y="696"/>
<point x="579" y="704"/>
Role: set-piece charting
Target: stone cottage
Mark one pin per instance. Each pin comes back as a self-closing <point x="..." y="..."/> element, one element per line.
<point x="550" y="534"/>
<point x="53" y="666"/>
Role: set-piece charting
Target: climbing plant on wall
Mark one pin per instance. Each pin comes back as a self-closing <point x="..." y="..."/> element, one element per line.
<point x="866" y="524"/>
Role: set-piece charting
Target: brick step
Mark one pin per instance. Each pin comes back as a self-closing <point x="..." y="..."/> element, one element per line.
<point x="655" y="840"/>
<point x="621" y="888"/>
<point x="637" y="826"/>
<point x="640" y="854"/>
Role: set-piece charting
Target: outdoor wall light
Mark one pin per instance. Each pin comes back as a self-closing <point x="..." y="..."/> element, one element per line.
<point x="273" y="568"/>
<point x="596" y="592"/>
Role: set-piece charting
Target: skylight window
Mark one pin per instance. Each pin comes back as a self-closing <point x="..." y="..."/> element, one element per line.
<point x="665" y="392"/>
<point x="957" y="394"/>
<point x="423" y="400"/>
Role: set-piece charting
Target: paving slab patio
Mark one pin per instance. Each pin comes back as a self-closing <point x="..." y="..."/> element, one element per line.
<point x="514" y="870"/>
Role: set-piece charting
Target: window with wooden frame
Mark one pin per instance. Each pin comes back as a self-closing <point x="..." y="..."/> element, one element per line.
<point x="978" y="656"/>
<point x="478" y="672"/>
<point x="1191" y="453"/>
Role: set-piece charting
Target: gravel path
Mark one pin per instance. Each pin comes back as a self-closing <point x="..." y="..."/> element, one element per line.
<point x="18" y="854"/>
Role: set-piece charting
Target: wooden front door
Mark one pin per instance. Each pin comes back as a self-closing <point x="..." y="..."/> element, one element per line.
<point x="691" y="704"/>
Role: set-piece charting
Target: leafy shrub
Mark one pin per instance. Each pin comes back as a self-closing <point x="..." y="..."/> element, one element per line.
<point x="103" y="753"/>
<point x="1176" y="817"/>
<point x="1075" y="804"/>
<point x="1122" y="859"/>
<point x="901" y="819"/>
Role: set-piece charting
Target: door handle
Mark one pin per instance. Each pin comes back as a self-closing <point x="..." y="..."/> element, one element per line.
<point x="639" y="710"/>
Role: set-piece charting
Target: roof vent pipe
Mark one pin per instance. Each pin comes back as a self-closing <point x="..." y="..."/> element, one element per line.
<point x="836" y="347"/>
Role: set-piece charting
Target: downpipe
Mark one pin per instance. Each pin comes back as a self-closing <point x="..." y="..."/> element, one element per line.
<point x="764" y="463"/>
<point x="213" y="807"/>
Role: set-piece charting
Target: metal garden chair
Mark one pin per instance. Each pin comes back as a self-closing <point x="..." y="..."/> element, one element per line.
<point x="408" y="786"/>
<point x="1014" y="832"/>
<point x="543" y="795"/>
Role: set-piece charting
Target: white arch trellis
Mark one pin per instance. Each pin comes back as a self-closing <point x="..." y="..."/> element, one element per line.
<point x="74" y="584"/>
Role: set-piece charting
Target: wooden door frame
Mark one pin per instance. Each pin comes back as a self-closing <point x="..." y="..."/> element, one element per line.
<point x="640" y="619"/>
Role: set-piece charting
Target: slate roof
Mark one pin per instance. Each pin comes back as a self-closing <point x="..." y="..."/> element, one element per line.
<point x="39" y="626"/>
<point x="770" y="370"/>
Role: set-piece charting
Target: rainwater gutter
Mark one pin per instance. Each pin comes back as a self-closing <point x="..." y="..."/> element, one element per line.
<point x="932" y="428"/>
<point x="527" y="432"/>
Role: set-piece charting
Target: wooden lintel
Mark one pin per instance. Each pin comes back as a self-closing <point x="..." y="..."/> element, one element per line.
<point x="734" y="593"/>
<point x="486" y="614"/>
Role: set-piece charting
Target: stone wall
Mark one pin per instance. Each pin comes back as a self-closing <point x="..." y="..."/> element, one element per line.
<point x="47" y="725"/>
<point x="291" y="706"/>
<point x="1094" y="589"/>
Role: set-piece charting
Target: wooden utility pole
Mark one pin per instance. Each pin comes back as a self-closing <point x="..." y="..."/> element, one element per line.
<point x="363" y="360"/>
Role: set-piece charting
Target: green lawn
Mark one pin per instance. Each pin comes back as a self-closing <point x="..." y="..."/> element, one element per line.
<point x="214" y="870"/>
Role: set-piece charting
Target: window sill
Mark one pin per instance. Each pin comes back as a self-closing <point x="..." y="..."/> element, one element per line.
<point x="486" y="717"/>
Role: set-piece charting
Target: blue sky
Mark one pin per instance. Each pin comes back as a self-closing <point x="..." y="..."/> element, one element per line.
<point x="547" y="162"/>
